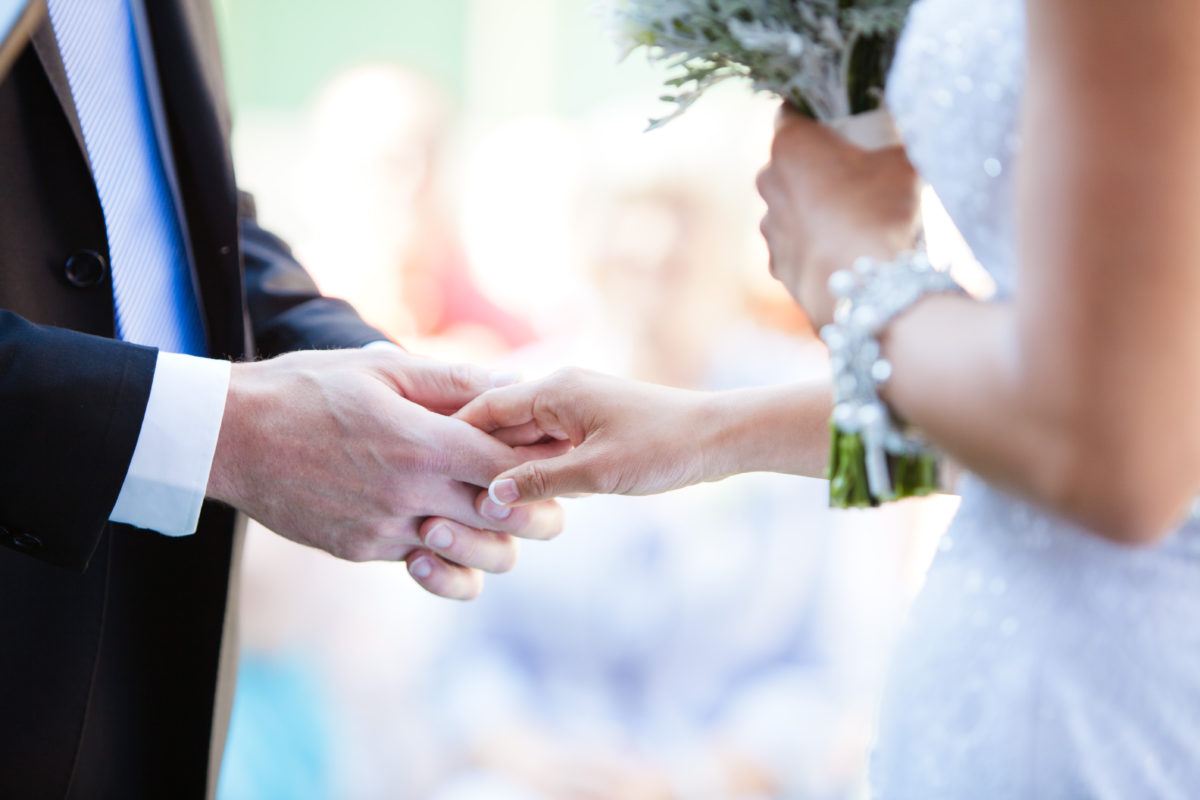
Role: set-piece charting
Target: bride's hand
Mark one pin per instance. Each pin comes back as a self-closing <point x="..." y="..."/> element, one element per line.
<point x="627" y="437"/>
<point x="828" y="203"/>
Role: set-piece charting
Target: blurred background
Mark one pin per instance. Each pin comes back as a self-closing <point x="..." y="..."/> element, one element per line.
<point x="474" y="176"/>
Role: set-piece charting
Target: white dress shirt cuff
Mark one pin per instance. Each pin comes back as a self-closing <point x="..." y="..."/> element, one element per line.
<point x="168" y="475"/>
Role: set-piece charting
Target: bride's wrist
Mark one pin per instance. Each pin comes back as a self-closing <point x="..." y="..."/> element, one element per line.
<point x="716" y="423"/>
<point x="766" y="429"/>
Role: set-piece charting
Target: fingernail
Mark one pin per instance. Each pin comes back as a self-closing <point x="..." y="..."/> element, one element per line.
<point x="421" y="568"/>
<point x="505" y="379"/>
<point x="504" y="492"/>
<point x="440" y="538"/>
<point x="493" y="510"/>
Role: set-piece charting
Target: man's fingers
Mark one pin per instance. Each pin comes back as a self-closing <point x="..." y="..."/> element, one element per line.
<point x="439" y="386"/>
<point x="542" y="520"/>
<point x="446" y="388"/>
<point x="490" y="551"/>
<point x="535" y="481"/>
<point x="438" y="577"/>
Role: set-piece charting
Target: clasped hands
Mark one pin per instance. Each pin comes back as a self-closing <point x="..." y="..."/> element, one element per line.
<point x="382" y="455"/>
<point x="354" y="452"/>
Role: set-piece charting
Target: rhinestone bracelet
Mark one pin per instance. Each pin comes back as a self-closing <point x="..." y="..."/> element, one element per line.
<point x="873" y="457"/>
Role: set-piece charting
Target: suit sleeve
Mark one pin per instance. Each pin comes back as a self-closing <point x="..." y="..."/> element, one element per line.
<point x="287" y="311"/>
<point x="71" y="408"/>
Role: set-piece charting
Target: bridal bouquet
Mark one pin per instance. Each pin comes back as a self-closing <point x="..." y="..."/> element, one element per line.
<point x="828" y="58"/>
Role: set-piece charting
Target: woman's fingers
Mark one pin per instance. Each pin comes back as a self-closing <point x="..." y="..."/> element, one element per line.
<point x="520" y="435"/>
<point x="510" y="407"/>
<point x="576" y="472"/>
<point x="561" y="406"/>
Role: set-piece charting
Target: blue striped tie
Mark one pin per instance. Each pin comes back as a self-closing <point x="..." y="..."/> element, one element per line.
<point x="152" y="283"/>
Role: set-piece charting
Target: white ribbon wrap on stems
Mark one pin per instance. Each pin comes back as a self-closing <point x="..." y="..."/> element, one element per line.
<point x="870" y="130"/>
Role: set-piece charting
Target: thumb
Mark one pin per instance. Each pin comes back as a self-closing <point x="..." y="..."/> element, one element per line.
<point x="546" y="479"/>
<point x="442" y="387"/>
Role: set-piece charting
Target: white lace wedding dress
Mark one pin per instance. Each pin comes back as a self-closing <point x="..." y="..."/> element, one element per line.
<point x="1040" y="662"/>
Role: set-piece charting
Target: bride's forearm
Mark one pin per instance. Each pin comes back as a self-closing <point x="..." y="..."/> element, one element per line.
<point x="1087" y="443"/>
<point x="963" y="391"/>
<point x="770" y="429"/>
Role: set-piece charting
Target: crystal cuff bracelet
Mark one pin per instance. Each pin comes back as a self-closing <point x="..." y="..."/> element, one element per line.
<point x="873" y="458"/>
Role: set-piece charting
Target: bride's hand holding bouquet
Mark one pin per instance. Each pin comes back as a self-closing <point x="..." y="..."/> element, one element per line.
<point x="835" y="190"/>
<point x="830" y="202"/>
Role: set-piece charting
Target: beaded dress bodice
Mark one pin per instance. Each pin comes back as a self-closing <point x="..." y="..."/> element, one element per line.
<point x="1039" y="661"/>
<point x="955" y="92"/>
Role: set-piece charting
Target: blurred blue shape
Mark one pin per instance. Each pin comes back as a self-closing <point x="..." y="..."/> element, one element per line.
<point x="278" y="745"/>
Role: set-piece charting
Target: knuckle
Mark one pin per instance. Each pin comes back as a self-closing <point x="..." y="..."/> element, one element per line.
<point x="534" y="482"/>
<point x="762" y="179"/>
<point x="402" y="532"/>
<point x="568" y="376"/>
<point x="465" y="549"/>
<point x="462" y="376"/>
<point x="395" y="505"/>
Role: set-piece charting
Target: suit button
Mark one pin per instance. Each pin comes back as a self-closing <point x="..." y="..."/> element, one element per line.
<point x="86" y="269"/>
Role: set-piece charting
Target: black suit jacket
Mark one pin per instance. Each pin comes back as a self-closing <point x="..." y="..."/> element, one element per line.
<point x="111" y="658"/>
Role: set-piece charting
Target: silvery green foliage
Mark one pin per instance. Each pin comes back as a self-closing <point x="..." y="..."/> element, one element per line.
<point x="827" y="57"/>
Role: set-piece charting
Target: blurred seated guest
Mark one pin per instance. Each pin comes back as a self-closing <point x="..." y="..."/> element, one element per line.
<point x="374" y="175"/>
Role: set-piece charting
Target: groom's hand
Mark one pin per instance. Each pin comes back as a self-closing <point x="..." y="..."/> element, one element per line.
<point x="340" y="450"/>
